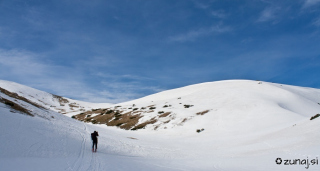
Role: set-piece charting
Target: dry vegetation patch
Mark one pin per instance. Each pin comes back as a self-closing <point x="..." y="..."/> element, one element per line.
<point x="164" y="114"/>
<point x="15" y="106"/>
<point x="61" y="100"/>
<point x="144" y="124"/>
<point x="184" y="120"/>
<point x="203" y="112"/>
<point x="126" y="121"/>
<point x="16" y="96"/>
<point x="187" y="106"/>
<point x="73" y="105"/>
<point x="132" y="138"/>
<point x="115" y="117"/>
<point x="111" y="118"/>
<point x="315" y="116"/>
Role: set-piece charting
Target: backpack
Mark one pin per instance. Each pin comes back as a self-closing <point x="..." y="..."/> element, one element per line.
<point x="92" y="136"/>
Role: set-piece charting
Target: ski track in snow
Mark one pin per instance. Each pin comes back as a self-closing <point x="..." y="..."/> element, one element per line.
<point x="80" y="162"/>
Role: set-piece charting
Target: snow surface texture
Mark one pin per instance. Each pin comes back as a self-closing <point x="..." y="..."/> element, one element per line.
<point x="248" y="126"/>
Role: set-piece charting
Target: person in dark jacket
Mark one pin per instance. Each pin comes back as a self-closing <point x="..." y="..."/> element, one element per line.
<point x="94" y="141"/>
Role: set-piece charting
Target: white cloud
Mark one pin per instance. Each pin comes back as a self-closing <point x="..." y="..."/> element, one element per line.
<point x="128" y="76"/>
<point x="317" y="22"/>
<point x="98" y="61"/>
<point x="219" y="14"/>
<point x="32" y="70"/>
<point x="21" y="62"/>
<point x="192" y="35"/>
<point x="268" y="14"/>
<point x="201" y="5"/>
<point x="309" y="3"/>
<point x="124" y="91"/>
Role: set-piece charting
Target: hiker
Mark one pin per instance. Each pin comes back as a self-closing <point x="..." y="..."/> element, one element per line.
<point x="94" y="141"/>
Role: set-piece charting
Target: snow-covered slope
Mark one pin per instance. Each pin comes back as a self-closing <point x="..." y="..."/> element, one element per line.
<point x="223" y="107"/>
<point x="56" y="142"/>
<point x="247" y="126"/>
<point x="49" y="101"/>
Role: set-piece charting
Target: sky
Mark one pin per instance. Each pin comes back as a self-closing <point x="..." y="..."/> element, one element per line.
<point x="118" y="50"/>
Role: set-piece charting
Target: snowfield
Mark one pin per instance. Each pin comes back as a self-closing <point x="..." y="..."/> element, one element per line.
<point x="247" y="125"/>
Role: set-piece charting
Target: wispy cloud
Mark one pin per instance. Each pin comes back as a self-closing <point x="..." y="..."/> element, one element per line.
<point x="201" y="5"/>
<point x="317" y="22"/>
<point x="1" y="34"/>
<point x="32" y="70"/>
<point x="310" y="3"/>
<point x="125" y="76"/>
<point x="193" y="35"/>
<point x="121" y="91"/>
<point x="120" y="88"/>
<point x="268" y="14"/>
<point x="219" y="14"/>
<point x="17" y="62"/>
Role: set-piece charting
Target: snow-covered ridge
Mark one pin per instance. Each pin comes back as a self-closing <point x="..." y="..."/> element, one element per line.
<point x="223" y="107"/>
<point x="49" y="101"/>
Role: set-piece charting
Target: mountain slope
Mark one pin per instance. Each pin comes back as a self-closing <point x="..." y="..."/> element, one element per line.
<point x="46" y="100"/>
<point x="222" y="107"/>
<point x="51" y="141"/>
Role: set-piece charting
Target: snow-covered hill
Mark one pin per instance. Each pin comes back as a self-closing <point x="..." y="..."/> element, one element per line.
<point x="46" y="100"/>
<point x="243" y="125"/>
<point x="223" y="107"/>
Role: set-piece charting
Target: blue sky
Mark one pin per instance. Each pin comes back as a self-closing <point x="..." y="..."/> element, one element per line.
<point x="118" y="50"/>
